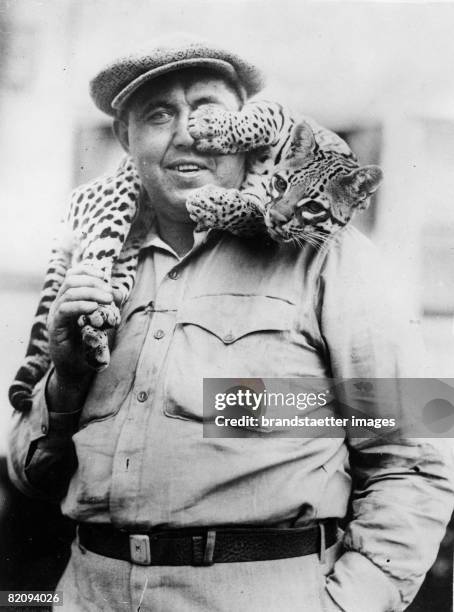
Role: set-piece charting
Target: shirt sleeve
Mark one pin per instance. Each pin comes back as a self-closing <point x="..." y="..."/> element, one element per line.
<point x="402" y="495"/>
<point x="41" y="455"/>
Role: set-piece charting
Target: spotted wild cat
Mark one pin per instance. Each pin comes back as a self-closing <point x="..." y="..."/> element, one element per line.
<point x="303" y="180"/>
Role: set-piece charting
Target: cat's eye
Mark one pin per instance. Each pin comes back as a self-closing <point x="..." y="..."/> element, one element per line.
<point x="314" y="207"/>
<point x="279" y="183"/>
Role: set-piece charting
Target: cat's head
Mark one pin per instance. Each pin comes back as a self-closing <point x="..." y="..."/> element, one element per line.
<point x="315" y="192"/>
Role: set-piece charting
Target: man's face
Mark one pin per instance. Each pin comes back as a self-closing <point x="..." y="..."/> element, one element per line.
<point x="158" y="140"/>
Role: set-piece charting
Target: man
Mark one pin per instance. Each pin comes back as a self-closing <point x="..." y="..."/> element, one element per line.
<point x="170" y="520"/>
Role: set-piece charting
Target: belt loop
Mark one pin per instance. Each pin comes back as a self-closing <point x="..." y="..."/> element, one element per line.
<point x="209" y="548"/>
<point x="203" y="548"/>
<point x="322" y="555"/>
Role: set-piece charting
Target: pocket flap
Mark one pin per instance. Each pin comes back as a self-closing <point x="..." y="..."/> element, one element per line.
<point x="229" y="317"/>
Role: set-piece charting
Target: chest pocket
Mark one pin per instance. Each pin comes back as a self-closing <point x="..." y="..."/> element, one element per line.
<point x="226" y="336"/>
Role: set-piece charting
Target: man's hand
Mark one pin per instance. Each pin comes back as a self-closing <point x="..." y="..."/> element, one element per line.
<point x="83" y="289"/>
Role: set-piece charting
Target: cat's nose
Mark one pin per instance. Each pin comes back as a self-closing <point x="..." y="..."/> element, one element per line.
<point x="277" y="216"/>
<point x="299" y="217"/>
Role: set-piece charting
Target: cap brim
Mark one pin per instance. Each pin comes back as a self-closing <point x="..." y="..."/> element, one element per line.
<point x="112" y="87"/>
<point x="218" y="65"/>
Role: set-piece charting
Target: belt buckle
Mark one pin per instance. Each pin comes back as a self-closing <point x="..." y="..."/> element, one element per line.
<point x="139" y="549"/>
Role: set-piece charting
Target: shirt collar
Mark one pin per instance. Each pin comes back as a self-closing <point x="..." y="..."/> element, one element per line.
<point x="153" y="240"/>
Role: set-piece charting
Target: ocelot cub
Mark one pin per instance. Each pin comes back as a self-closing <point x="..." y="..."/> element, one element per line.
<point x="302" y="180"/>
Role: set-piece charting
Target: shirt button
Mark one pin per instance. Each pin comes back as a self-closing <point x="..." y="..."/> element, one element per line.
<point x="159" y="333"/>
<point x="174" y="274"/>
<point x="229" y="338"/>
<point x="142" y="396"/>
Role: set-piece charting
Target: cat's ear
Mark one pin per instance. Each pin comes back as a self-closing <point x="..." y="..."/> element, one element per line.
<point x="363" y="182"/>
<point x="303" y="140"/>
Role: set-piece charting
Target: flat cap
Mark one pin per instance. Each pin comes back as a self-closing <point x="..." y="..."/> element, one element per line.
<point x="111" y="88"/>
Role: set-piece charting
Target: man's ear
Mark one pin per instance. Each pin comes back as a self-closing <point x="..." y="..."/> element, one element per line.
<point x="120" y="129"/>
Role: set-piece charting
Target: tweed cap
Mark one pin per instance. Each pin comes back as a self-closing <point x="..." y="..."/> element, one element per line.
<point x="112" y="87"/>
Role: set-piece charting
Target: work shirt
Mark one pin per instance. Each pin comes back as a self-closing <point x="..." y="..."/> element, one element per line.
<point x="249" y="308"/>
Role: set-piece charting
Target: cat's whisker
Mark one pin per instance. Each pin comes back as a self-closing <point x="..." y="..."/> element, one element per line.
<point x="296" y="237"/>
<point x="309" y="240"/>
<point x="321" y="240"/>
<point x="299" y="241"/>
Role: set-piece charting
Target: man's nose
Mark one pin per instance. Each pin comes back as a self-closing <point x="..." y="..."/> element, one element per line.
<point x="182" y="137"/>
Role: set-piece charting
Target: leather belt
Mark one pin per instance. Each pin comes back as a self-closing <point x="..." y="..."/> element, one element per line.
<point x="205" y="546"/>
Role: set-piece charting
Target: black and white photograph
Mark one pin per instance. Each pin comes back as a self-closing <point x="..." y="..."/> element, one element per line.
<point x="227" y="289"/>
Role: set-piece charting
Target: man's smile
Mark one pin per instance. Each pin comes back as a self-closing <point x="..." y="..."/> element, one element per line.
<point x="189" y="165"/>
<point x="188" y="172"/>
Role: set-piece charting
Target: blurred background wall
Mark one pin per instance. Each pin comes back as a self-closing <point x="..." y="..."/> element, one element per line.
<point x="378" y="73"/>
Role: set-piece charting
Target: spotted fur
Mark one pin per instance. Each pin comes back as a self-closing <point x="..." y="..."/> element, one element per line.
<point x="97" y="231"/>
<point x="303" y="180"/>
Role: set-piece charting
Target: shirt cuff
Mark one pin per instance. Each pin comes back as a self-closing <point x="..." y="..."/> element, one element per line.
<point x="38" y="415"/>
<point x="356" y="580"/>
<point x="46" y="423"/>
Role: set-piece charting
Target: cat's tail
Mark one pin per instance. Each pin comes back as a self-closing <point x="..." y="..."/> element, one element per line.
<point x="37" y="360"/>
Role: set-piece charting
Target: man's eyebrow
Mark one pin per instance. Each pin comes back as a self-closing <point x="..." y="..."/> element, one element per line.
<point x="155" y="103"/>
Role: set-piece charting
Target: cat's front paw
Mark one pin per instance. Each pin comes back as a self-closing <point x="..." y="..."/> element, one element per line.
<point x="208" y="126"/>
<point x="206" y="121"/>
<point x="225" y="209"/>
<point x="203" y="207"/>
